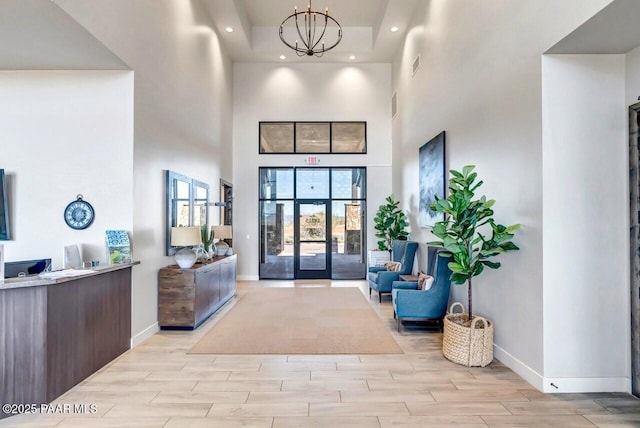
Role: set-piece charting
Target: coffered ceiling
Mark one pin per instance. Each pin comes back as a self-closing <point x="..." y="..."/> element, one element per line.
<point x="366" y="26"/>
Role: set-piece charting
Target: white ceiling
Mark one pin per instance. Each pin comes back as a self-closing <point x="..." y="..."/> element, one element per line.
<point x="613" y="30"/>
<point x="38" y="35"/>
<point x="366" y="28"/>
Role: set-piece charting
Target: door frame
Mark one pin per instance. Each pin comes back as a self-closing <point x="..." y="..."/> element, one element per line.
<point x="272" y="197"/>
<point x="311" y="274"/>
<point x="634" y="243"/>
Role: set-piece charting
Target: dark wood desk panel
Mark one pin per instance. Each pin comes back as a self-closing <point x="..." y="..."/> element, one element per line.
<point x="23" y="374"/>
<point x="55" y="335"/>
<point x="88" y="325"/>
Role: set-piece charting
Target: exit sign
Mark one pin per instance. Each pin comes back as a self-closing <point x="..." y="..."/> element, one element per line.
<point x="312" y="160"/>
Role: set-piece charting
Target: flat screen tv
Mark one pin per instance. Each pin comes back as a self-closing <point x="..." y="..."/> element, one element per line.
<point x="5" y="234"/>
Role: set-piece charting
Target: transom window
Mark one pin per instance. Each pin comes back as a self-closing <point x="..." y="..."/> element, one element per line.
<point x="313" y="137"/>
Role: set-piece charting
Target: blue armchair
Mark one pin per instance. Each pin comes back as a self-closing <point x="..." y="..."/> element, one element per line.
<point x="381" y="280"/>
<point x="411" y="304"/>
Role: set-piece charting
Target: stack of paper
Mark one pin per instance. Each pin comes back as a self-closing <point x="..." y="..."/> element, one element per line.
<point x="66" y="273"/>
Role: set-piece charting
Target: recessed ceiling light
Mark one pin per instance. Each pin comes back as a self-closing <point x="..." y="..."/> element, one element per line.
<point x="352" y="57"/>
<point x="229" y="29"/>
<point x="394" y="29"/>
<point x="283" y="57"/>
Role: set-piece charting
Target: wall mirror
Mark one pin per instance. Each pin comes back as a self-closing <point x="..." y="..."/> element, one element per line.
<point x="187" y="204"/>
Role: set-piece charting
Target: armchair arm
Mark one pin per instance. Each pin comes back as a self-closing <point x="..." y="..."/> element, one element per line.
<point x="385" y="280"/>
<point x="404" y="285"/>
<point x="418" y="304"/>
<point x="377" y="269"/>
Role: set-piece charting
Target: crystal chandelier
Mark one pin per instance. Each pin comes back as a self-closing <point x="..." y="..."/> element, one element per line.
<point x="314" y="25"/>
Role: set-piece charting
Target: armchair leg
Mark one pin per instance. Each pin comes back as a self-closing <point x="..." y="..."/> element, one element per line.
<point x="394" y="315"/>
<point x="441" y="325"/>
<point x="379" y="297"/>
<point x="398" y="324"/>
<point x="369" y="291"/>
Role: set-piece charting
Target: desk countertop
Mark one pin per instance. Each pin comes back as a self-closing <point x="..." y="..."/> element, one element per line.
<point x="36" y="281"/>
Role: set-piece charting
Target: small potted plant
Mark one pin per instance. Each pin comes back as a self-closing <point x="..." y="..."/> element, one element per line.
<point x="390" y="224"/>
<point x="467" y="339"/>
<point x="207" y="236"/>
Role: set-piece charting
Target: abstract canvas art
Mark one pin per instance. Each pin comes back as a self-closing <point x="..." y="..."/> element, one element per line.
<point x="432" y="174"/>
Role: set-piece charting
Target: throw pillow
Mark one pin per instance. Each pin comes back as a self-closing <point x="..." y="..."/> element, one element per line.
<point x="393" y="266"/>
<point x="425" y="281"/>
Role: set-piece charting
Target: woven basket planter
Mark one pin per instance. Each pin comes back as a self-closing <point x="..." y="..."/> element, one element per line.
<point x="469" y="346"/>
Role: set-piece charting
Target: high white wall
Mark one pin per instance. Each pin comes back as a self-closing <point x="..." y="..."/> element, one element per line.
<point x="480" y="81"/>
<point x="586" y="224"/>
<point x="632" y="74"/>
<point x="65" y="133"/>
<point x="183" y="96"/>
<point x="299" y="92"/>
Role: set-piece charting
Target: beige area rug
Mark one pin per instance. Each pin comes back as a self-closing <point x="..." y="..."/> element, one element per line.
<point x="299" y="321"/>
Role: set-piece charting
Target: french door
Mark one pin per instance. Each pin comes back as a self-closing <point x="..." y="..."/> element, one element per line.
<point x="312" y="241"/>
<point x="312" y="223"/>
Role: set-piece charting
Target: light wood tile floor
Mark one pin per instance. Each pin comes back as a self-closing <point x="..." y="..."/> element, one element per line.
<point x="158" y="384"/>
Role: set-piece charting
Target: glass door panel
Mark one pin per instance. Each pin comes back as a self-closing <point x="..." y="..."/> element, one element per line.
<point x="312" y="183"/>
<point x="347" y="183"/>
<point x="313" y="256"/>
<point x="312" y="249"/>
<point x="276" y="183"/>
<point x="276" y="240"/>
<point x="347" y="246"/>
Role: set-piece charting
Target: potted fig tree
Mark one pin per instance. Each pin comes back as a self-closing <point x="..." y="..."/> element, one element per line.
<point x="390" y="224"/>
<point x="464" y="233"/>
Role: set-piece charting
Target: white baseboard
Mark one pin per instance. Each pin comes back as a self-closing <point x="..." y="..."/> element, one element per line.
<point x="144" y="334"/>
<point x="586" y="384"/>
<point x="562" y="385"/>
<point x="248" y="278"/>
<point x="526" y="372"/>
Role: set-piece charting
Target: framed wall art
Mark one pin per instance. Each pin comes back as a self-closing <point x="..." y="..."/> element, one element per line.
<point x="432" y="179"/>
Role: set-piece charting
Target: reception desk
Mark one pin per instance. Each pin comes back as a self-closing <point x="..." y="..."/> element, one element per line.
<point x="56" y="332"/>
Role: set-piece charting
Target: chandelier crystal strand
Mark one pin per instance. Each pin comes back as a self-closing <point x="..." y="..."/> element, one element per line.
<point x="307" y="35"/>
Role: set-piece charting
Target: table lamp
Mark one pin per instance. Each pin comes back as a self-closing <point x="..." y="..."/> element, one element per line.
<point x="221" y="233"/>
<point x="185" y="237"/>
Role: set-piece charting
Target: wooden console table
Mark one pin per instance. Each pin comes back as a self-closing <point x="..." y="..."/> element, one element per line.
<point x="55" y="333"/>
<point x="187" y="297"/>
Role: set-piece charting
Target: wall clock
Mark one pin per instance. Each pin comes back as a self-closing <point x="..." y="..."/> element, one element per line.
<point x="79" y="214"/>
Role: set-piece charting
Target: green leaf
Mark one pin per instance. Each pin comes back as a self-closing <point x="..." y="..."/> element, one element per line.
<point x="509" y="246"/>
<point x="455" y="267"/>
<point x="471" y="178"/>
<point x="458" y="278"/>
<point x="455" y="173"/>
<point x="478" y="184"/>
<point x="466" y="170"/>
<point x="513" y="228"/>
<point x="477" y="269"/>
<point x="492" y="265"/>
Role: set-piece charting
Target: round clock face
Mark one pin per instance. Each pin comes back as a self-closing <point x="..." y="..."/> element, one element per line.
<point x="79" y="214"/>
